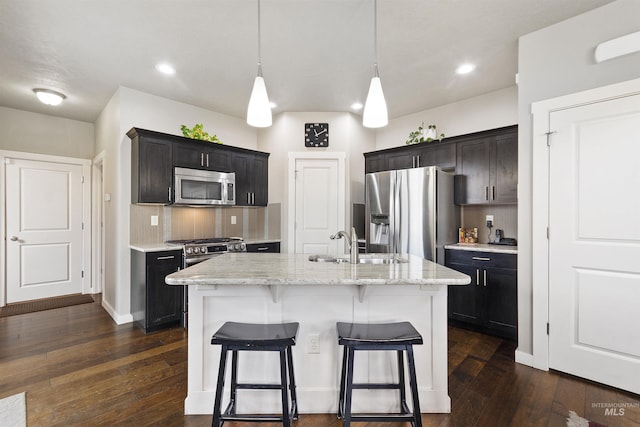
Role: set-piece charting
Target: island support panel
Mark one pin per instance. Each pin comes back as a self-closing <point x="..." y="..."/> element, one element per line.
<point x="317" y="309"/>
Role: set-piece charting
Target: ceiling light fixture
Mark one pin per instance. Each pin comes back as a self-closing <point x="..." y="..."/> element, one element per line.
<point x="259" y="110"/>
<point x="356" y="106"/>
<point x="49" y="97"/>
<point x="465" y="69"/>
<point x="375" y="108"/>
<point x="166" y="69"/>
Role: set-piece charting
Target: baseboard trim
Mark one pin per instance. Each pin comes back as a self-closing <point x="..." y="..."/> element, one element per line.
<point x="118" y="318"/>
<point x="524" y="358"/>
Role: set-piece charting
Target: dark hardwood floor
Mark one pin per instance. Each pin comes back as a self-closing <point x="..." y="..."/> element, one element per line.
<point x="79" y="368"/>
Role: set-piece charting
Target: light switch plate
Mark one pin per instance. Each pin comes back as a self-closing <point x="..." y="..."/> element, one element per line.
<point x="233" y="220"/>
<point x="154" y="220"/>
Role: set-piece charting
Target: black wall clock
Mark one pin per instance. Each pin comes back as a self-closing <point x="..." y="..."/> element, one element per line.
<point x="316" y="134"/>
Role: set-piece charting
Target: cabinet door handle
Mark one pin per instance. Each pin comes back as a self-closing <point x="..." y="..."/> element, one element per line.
<point x="263" y="248"/>
<point x="493" y="192"/>
<point x="480" y="258"/>
<point x="253" y="198"/>
<point x="201" y="159"/>
<point x="169" y="196"/>
<point x="486" y="192"/>
<point x="418" y="161"/>
<point x="166" y="257"/>
<point x="485" y="278"/>
<point x="477" y="277"/>
<point x="207" y="160"/>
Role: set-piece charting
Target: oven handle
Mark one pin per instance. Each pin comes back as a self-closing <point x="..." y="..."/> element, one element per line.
<point x="195" y="260"/>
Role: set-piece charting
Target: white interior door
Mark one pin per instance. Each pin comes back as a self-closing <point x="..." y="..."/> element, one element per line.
<point x="594" y="242"/>
<point x="317" y="208"/>
<point x="44" y="229"/>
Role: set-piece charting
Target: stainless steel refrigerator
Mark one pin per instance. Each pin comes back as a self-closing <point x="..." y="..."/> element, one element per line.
<point x="411" y="211"/>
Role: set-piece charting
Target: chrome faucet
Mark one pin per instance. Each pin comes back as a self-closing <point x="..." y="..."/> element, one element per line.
<point x="352" y="241"/>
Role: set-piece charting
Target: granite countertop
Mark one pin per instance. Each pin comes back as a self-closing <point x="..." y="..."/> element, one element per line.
<point x="154" y="247"/>
<point x="296" y="269"/>
<point x="162" y="246"/>
<point x="483" y="247"/>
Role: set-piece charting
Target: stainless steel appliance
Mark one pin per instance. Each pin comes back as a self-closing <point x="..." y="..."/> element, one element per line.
<point x="195" y="251"/>
<point x="410" y="211"/>
<point x="201" y="187"/>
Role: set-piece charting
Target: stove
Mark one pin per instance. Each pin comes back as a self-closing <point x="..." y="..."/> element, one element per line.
<point x="198" y="250"/>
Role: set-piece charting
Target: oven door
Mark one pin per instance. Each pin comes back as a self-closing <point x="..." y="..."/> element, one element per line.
<point x="196" y="187"/>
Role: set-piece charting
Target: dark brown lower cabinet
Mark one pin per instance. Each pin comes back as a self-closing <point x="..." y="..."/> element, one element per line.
<point x="154" y="304"/>
<point x="490" y="302"/>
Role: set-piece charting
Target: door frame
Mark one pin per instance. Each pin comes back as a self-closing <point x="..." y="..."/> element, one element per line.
<point x="289" y="218"/>
<point x="99" y="164"/>
<point x="86" y="213"/>
<point x="541" y="112"/>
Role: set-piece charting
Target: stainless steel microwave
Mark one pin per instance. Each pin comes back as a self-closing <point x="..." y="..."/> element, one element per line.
<point x="201" y="187"/>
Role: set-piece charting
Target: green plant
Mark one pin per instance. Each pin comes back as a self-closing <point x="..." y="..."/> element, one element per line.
<point x="198" y="133"/>
<point x="416" y="136"/>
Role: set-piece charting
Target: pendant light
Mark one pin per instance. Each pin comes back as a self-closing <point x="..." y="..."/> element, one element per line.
<point x="259" y="109"/>
<point x="375" y="108"/>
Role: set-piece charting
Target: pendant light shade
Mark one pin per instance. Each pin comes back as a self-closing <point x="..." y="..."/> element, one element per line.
<point x="259" y="109"/>
<point x="375" y="108"/>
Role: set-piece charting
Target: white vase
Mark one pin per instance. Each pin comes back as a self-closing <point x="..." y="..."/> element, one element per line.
<point x="430" y="133"/>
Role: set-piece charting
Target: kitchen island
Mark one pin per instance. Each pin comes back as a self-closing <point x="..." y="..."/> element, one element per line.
<point x="272" y="288"/>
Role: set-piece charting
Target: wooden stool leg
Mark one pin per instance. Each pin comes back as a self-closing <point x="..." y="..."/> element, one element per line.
<point x="402" y="384"/>
<point x="292" y="384"/>
<point x="342" y="377"/>
<point x="414" y="387"/>
<point x="346" y="416"/>
<point x="286" y="416"/>
<point x="215" y="422"/>
<point x="234" y="383"/>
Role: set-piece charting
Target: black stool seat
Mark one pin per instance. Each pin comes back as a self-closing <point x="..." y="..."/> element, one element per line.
<point x="399" y="337"/>
<point x="235" y="337"/>
<point x="378" y="333"/>
<point x="255" y="334"/>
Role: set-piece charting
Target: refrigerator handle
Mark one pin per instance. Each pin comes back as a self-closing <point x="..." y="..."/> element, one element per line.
<point x="397" y="212"/>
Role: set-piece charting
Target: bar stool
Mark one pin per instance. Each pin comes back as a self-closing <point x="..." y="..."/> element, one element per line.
<point x="387" y="336"/>
<point x="235" y="337"/>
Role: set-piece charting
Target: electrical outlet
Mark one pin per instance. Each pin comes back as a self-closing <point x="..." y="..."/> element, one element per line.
<point x="489" y="221"/>
<point x="154" y="220"/>
<point x="233" y="220"/>
<point x="313" y="343"/>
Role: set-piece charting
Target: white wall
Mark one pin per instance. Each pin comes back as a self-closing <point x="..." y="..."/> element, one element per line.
<point x="38" y="133"/>
<point x="130" y="108"/>
<point x="287" y="135"/>
<point x="555" y="61"/>
<point x="488" y="111"/>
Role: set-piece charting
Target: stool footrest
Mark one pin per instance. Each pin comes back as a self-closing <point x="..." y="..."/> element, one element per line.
<point x="258" y="386"/>
<point x="377" y="386"/>
<point x="381" y="417"/>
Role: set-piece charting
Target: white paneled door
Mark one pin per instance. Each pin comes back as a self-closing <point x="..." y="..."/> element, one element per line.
<point x="44" y="229"/>
<point x="316" y="205"/>
<point x="594" y="242"/>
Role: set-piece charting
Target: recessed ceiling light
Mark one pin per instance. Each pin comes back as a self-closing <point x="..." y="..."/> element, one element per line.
<point x="465" y="69"/>
<point x="272" y="105"/>
<point x="356" y="106"/>
<point x="166" y="69"/>
<point x="49" y="97"/>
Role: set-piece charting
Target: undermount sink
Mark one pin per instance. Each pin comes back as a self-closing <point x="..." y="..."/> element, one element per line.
<point x="363" y="259"/>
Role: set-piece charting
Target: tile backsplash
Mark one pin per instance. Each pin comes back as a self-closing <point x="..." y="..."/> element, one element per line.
<point x="179" y="223"/>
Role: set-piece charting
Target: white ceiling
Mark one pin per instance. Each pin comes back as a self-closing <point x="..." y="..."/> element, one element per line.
<point x="317" y="55"/>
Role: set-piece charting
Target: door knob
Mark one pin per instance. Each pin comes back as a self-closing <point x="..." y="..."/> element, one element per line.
<point x="14" y="238"/>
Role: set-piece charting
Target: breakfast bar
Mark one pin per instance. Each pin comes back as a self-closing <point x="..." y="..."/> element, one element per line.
<point x="274" y="288"/>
